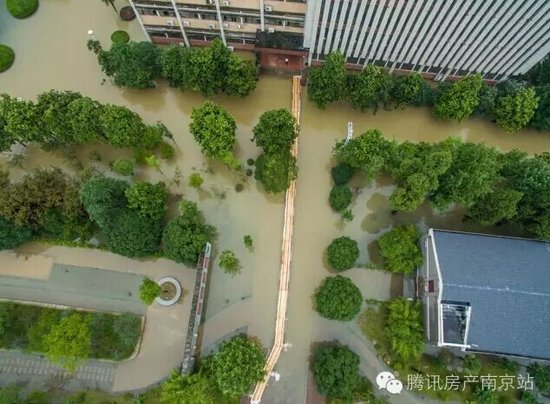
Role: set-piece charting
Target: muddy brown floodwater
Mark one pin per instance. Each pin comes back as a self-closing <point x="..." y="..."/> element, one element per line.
<point x="51" y="54"/>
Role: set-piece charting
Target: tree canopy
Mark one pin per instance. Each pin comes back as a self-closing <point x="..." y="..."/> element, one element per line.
<point x="400" y="249"/>
<point x="104" y="198"/>
<point x="275" y="131"/>
<point x="368" y="88"/>
<point x="186" y="235"/>
<point x="514" y="112"/>
<point x="337" y="298"/>
<point x="340" y="197"/>
<point x="275" y="171"/>
<point x="342" y="253"/>
<point x="460" y="100"/>
<point x="336" y="371"/>
<point x="148" y="199"/>
<point x="341" y="173"/>
<point x="12" y="236"/>
<point x="133" y="235"/>
<point x="69" y="341"/>
<point x="180" y="389"/>
<point x="326" y="83"/>
<point x="238" y="365"/>
<point x="405" y="330"/>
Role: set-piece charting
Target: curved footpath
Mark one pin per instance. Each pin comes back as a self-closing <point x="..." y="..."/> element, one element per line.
<point x="95" y="279"/>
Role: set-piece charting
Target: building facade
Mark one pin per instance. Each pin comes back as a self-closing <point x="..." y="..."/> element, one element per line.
<point x="438" y="38"/>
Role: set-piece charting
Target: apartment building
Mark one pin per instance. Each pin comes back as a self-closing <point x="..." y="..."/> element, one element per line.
<point x="438" y="38"/>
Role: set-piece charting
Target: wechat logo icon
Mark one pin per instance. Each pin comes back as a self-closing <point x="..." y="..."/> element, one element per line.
<point x="386" y="380"/>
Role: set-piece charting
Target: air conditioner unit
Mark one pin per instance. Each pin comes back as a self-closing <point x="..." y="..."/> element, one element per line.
<point x="271" y="30"/>
<point x="231" y="48"/>
<point x="211" y="26"/>
<point x="225" y="25"/>
<point x="226" y="3"/>
<point x="186" y="23"/>
<point x="268" y="8"/>
<point x="170" y="23"/>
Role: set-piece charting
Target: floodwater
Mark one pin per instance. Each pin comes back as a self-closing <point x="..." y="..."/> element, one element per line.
<point x="51" y="54"/>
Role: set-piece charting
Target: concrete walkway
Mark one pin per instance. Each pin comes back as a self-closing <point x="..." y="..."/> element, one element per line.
<point x="101" y="280"/>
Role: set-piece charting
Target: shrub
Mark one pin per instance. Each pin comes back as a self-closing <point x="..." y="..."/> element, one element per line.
<point x="120" y="36"/>
<point x="6" y="57"/>
<point x="341" y="173"/>
<point x="248" y="241"/>
<point x="400" y="250"/>
<point x="405" y="330"/>
<point x="166" y="151"/>
<point x="249" y="172"/>
<point x="336" y="371"/>
<point x="124" y="167"/>
<point x="338" y="298"/>
<point x="340" y="197"/>
<point x="12" y="236"/>
<point x="250" y="162"/>
<point x="239" y="187"/>
<point x="342" y="253"/>
<point x="229" y="262"/>
<point x="22" y="8"/>
<point x="133" y="235"/>
<point x="149" y="290"/>
<point x="195" y="180"/>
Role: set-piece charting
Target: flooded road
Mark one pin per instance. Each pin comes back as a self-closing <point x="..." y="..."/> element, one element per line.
<point x="51" y="54"/>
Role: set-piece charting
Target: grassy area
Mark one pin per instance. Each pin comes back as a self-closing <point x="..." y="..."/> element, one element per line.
<point x="25" y="327"/>
<point x="373" y="323"/>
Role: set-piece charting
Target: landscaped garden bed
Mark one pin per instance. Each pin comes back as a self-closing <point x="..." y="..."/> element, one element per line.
<point x="102" y="335"/>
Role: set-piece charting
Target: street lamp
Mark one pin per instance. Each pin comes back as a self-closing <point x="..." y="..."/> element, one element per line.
<point x="92" y="34"/>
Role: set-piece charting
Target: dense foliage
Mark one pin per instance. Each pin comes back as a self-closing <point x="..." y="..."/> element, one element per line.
<point x="214" y="130"/>
<point x="460" y="100"/>
<point x="238" y="365"/>
<point x="148" y="199"/>
<point x="149" y="290"/>
<point x="210" y="70"/>
<point x="275" y="131"/>
<point x="22" y="8"/>
<point x="12" y="235"/>
<point x="341" y="173"/>
<point x="65" y="118"/>
<point x="195" y="388"/>
<point x="133" y="235"/>
<point x="186" y="235"/>
<point x="400" y="249"/>
<point x="336" y="371"/>
<point x="368" y="88"/>
<point x="405" y="330"/>
<point x="229" y="262"/>
<point x="541" y="374"/>
<point x="276" y="171"/>
<point x="67" y="336"/>
<point x="6" y="57"/>
<point x="326" y="84"/>
<point x="342" y="253"/>
<point x="337" y="298"/>
<point x="123" y="166"/>
<point x="514" y="112"/>
<point x="340" y="197"/>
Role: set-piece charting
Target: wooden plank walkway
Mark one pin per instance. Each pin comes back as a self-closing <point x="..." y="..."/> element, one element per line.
<point x="286" y="256"/>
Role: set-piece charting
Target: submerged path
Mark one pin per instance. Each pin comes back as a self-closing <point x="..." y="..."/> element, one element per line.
<point x="286" y="256"/>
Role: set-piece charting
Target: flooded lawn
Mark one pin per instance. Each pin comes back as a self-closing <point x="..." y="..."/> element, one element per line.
<point x="51" y="54"/>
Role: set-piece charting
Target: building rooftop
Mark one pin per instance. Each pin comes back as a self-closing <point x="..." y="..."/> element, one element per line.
<point x="506" y="281"/>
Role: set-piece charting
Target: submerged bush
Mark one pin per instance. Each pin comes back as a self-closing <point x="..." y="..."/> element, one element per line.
<point x="22" y="8"/>
<point x="340" y="197"/>
<point x="6" y="57"/>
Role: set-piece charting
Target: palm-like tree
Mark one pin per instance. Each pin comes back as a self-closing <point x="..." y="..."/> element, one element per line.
<point x="111" y="2"/>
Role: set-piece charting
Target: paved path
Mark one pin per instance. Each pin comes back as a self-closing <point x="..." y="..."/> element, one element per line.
<point x="98" y="279"/>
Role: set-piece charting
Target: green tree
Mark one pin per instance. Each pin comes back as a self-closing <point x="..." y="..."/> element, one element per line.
<point x="229" y="262"/>
<point x="541" y="117"/>
<point x="53" y="106"/>
<point x="104" y="199"/>
<point x="238" y="365"/>
<point x="69" y="341"/>
<point x="406" y="89"/>
<point x="342" y="253"/>
<point x="148" y="199"/>
<point x="133" y="235"/>
<point x="174" y="61"/>
<point x="275" y="131"/>
<point x="513" y="112"/>
<point x="336" y="371"/>
<point x="12" y="236"/>
<point x="495" y="207"/>
<point x="180" y="389"/>
<point x="122" y="127"/>
<point x="337" y="298"/>
<point x="340" y="197"/>
<point x="276" y="171"/>
<point x="400" y="249"/>
<point x="541" y="374"/>
<point x="471" y="176"/>
<point x="83" y="117"/>
<point x="214" y="130"/>
<point x="124" y="167"/>
<point x="185" y="236"/>
<point x="326" y="84"/>
<point x="149" y="290"/>
<point x="154" y="162"/>
<point x="460" y="101"/>
<point x="248" y="241"/>
<point x="21" y="121"/>
<point x="368" y="88"/>
<point x="131" y="64"/>
<point x="487" y="98"/>
<point x="341" y="173"/>
<point x="207" y="68"/>
<point x="195" y="180"/>
<point x="368" y="152"/>
<point x="404" y="329"/>
<point x="240" y="77"/>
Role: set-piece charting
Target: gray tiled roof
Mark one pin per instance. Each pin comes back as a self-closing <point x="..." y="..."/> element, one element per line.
<point x="507" y="283"/>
